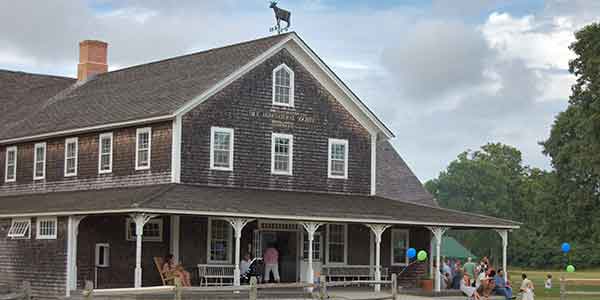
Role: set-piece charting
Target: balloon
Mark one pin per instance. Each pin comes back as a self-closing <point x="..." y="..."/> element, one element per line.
<point x="565" y="247"/>
<point x="422" y="255"/>
<point x="411" y="253"/>
<point x="570" y="268"/>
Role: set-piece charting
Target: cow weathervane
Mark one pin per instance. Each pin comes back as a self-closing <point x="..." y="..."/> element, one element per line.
<point x="280" y="15"/>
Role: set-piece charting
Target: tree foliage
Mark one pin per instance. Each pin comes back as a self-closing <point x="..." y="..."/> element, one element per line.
<point x="561" y="205"/>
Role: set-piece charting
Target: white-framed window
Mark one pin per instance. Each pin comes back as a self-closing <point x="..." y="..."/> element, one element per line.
<point x="10" y="172"/>
<point x="399" y="245"/>
<point x="143" y="148"/>
<point x="282" y="153"/>
<point x="337" y="164"/>
<point x="105" y="153"/>
<point x="219" y="241"/>
<point x="39" y="161"/>
<point x="153" y="230"/>
<point x="283" y="86"/>
<point x="102" y="255"/>
<point x="20" y="229"/>
<point x="337" y="243"/>
<point x="46" y="228"/>
<point x="71" y="154"/>
<point x="221" y="148"/>
<point x="317" y="246"/>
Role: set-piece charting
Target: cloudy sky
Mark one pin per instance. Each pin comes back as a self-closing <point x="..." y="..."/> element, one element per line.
<point x="445" y="76"/>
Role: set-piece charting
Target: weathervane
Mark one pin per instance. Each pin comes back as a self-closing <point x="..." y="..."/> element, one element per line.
<point x="280" y="15"/>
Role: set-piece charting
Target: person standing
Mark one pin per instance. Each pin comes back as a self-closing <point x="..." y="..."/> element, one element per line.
<point x="527" y="288"/>
<point x="469" y="269"/>
<point x="271" y="257"/>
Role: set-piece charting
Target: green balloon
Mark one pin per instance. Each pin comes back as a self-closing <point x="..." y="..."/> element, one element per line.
<point x="422" y="255"/>
<point x="570" y="268"/>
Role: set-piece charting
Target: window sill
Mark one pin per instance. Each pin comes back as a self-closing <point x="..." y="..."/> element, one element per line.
<point x="291" y="105"/>
<point x="337" y="177"/>
<point x="46" y="238"/>
<point x="281" y="173"/>
<point x="221" y="169"/>
<point x="142" y="168"/>
<point x="71" y="175"/>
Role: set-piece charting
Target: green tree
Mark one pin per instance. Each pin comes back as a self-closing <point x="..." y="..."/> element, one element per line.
<point x="574" y="147"/>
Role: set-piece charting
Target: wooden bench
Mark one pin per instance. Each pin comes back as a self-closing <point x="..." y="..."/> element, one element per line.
<point x="215" y="274"/>
<point x="353" y="272"/>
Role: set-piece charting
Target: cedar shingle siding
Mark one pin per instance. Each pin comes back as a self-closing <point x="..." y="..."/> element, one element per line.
<point x="247" y="107"/>
<point x="41" y="262"/>
<point x="123" y="172"/>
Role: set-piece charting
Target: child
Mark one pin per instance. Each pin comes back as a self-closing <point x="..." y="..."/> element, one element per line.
<point x="548" y="283"/>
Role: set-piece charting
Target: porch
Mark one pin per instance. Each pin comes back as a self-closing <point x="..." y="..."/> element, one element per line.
<point x="112" y="235"/>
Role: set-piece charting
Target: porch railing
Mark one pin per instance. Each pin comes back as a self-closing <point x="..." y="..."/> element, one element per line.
<point x="564" y="282"/>
<point x="177" y="290"/>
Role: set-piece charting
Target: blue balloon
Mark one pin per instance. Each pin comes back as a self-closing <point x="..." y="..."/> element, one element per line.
<point x="566" y="247"/>
<point x="411" y="252"/>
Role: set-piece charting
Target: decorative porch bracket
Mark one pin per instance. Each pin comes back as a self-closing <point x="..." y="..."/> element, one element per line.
<point x="238" y="224"/>
<point x="311" y="228"/>
<point x="140" y="220"/>
<point x="378" y="230"/>
<point x="72" y="236"/>
<point x="504" y="235"/>
<point x="438" y="233"/>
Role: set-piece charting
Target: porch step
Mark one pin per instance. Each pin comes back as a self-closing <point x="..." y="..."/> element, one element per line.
<point x="280" y="294"/>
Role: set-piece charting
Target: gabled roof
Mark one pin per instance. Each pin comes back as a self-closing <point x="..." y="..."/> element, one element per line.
<point x="243" y="202"/>
<point x="395" y="180"/>
<point x="24" y="94"/>
<point x="151" y="92"/>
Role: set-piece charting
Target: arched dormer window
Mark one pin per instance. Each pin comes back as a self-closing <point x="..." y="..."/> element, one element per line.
<point x="283" y="86"/>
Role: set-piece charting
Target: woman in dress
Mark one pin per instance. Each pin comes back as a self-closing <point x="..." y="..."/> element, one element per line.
<point x="170" y="269"/>
<point x="527" y="288"/>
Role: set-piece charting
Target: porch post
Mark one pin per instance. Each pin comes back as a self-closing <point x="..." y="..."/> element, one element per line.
<point x="140" y="220"/>
<point x="174" y="243"/>
<point x="378" y="230"/>
<point x="504" y="235"/>
<point x="438" y="233"/>
<point x="310" y="228"/>
<point x="72" y="233"/>
<point x="238" y="224"/>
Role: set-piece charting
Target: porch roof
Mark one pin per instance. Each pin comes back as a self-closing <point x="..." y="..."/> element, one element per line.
<point x="240" y="202"/>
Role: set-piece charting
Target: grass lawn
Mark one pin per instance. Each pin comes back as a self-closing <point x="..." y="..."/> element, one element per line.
<point x="538" y="277"/>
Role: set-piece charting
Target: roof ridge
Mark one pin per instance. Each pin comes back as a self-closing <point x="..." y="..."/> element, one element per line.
<point x="195" y="53"/>
<point x="36" y="74"/>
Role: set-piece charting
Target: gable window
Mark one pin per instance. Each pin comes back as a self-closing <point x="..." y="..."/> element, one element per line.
<point x="221" y="148"/>
<point x="20" y="229"/>
<point x="282" y="151"/>
<point x="399" y="246"/>
<point x="153" y="231"/>
<point x="46" y="228"/>
<point x="105" y="150"/>
<point x="337" y="251"/>
<point x="143" y="148"/>
<point x="71" y="152"/>
<point x="10" y="174"/>
<point x="337" y="163"/>
<point x="219" y="236"/>
<point x="283" y="86"/>
<point x="39" y="161"/>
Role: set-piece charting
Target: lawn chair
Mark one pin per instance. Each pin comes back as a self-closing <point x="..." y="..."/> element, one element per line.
<point x="167" y="279"/>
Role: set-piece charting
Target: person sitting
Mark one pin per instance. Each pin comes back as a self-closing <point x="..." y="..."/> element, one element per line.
<point x="170" y="269"/>
<point x="467" y="289"/>
<point x="486" y="283"/>
<point x="501" y="288"/>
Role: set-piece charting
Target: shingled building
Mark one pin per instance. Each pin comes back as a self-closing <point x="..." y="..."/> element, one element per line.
<point x="207" y="156"/>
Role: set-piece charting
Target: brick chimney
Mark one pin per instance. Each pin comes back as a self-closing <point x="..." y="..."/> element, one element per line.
<point x="92" y="59"/>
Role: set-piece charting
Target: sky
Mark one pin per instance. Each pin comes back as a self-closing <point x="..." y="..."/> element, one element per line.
<point x="444" y="76"/>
